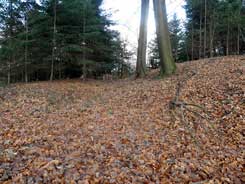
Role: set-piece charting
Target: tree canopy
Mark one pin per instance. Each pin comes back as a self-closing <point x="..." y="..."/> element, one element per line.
<point x="62" y="38"/>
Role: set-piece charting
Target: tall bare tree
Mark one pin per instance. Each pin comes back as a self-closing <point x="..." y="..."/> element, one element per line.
<point x="239" y="26"/>
<point x="205" y="28"/>
<point x="54" y="41"/>
<point x="192" y="41"/>
<point x="84" y="41"/>
<point x="200" y="32"/>
<point x="167" y="63"/>
<point x="227" y="38"/>
<point x="11" y="34"/>
<point x="142" y="43"/>
<point x="26" y="47"/>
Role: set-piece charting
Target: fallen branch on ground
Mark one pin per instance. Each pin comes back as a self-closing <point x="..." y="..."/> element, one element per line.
<point x="184" y="107"/>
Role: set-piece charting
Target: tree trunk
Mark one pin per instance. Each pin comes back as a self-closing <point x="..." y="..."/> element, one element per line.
<point x="9" y="73"/>
<point x="167" y="63"/>
<point x="187" y="53"/>
<point x="122" y="70"/>
<point x="205" y="30"/>
<point x="238" y="39"/>
<point x="122" y="60"/>
<point x="239" y="29"/>
<point x="210" y="40"/>
<point x="212" y="29"/>
<point x="192" y="35"/>
<point x="11" y="59"/>
<point x="227" y="39"/>
<point x="176" y="55"/>
<point x="26" y="51"/>
<point x="84" y="44"/>
<point x="142" y="43"/>
<point x="200" y="35"/>
<point x="60" y="74"/>
<point x="192" y="41"/>
<point x="54" y="42"/>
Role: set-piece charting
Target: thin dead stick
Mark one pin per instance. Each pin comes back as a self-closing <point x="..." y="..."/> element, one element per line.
<point x="197" y="113"/>
<point x="195" y="105"/>
<point x="189" y="129"/>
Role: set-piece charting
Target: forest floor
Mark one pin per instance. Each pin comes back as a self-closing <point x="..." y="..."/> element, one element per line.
<point x="127" y="131"/>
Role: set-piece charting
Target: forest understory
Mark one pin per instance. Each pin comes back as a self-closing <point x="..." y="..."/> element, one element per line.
<point x="187" y="128"/>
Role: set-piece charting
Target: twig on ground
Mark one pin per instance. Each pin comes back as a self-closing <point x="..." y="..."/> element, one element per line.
<point x="197" y="113"/>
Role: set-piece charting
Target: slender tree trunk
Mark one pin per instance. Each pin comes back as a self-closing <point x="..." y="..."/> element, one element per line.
<point x="200" y="35"/>
<point x="187" y="53"/>
<point x="11" y="59"/>
<point x="212" y="34"/>
<point x="205" y="30"/>
<point x="54" y="42"/>
<point x="122" y="62"/>
<point x="238" y="39"/>
<point x="84" y="43"/>
<point x="122" y="70"/>
<point x="167" y="63"/>
<point x="239" y="30"/>
<point x="60" y="70"/>
<point x="9" y="73"/>
<point x="192" y="34"/>
<point x="142" y="43"/>
<point x="210" y="40"/>
<point x="176" y="55"/>
<point x="26" y="51"/>
<point x="227" y="39"/>
<point x="192" y="41"/>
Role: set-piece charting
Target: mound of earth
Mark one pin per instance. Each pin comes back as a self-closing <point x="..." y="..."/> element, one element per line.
<point x="125" y="131"/>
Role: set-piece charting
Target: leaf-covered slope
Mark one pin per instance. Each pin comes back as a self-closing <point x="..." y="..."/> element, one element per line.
<point x="124" y="131"/>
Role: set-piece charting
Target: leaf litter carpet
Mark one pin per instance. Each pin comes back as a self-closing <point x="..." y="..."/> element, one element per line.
<point x="125" y="131"/>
